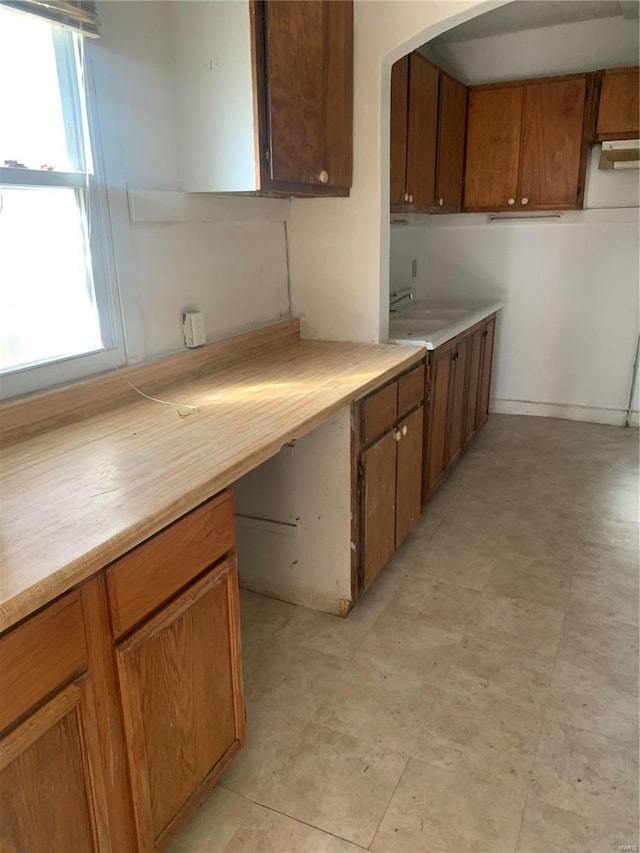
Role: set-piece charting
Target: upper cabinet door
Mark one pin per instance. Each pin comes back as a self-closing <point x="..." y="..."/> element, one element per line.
<point x="619" y="104"/>
<point x="493" y="147"/>
<point x="309" y="91"/>
<point x="422" y="130"/>
<point x="398" y="140"/>
<point x="552" y="143"/>
<point x="451" y="138"/>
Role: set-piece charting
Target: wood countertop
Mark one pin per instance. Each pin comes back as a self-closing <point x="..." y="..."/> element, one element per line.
<point x="79" y="495"/>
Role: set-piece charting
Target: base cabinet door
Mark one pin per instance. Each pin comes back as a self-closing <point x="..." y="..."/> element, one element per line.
<point x="51" y="796"/>
<point x="458" y="387"/>
<point x="484" y="393"/>
<point x="409" y="473"/>
<point x="180" y="681"/>
<point x="379" y="505"/>
<point x="473" y="385"/>
<point x="436" y="445"/>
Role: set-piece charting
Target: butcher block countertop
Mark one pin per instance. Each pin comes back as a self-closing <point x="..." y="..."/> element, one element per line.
<point x="97" y="482"/>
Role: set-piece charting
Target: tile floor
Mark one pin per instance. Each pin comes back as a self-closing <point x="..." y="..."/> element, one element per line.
<point x="483" y="696"/>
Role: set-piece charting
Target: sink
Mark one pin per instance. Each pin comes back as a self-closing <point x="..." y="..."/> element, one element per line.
<point x="416" y="326"/>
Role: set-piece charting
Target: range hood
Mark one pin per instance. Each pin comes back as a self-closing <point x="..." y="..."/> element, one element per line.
<point x="621" y="154"/>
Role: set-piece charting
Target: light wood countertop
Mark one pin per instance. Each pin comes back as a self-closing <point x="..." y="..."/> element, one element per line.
<point x="79" y="495"/>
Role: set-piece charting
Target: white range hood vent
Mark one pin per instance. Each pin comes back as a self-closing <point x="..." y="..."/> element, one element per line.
<point x="621" y="154"/>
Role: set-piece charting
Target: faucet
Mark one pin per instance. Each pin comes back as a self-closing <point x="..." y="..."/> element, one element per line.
<point x="399" y="296"/>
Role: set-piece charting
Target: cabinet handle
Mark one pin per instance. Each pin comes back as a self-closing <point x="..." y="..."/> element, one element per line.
<point x="440" y="201"/>
<point x="511" y="201"/>
<point x="397" y="435"/>
<point x="485" y="333"/>
<point x="524" y="200"/>
<point x="456" y="356"/>
<point x="405" y="429"/>
<point x="324" y="177"/>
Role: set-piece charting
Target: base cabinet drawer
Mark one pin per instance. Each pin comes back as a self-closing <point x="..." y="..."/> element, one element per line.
<point x="181" y="686"/>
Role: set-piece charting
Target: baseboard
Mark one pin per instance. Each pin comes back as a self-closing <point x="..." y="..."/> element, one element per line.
<point x="588" y="414"/>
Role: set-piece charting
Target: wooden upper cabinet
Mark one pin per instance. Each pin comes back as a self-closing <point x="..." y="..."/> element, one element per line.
<point x="308" y="54"/>
<point x="552" y="147"/>
<point x="398" y="138"/>
<point x="527" y="144"/>
<point x="452" y="124"/>
<point x="619" y="106"/>
<point x="265" y="96"/>
<point x="493" y="147"/>
<point x="422" y="130"/>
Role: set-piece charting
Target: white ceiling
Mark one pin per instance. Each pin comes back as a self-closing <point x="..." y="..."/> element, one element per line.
<point x="531" y="14"/>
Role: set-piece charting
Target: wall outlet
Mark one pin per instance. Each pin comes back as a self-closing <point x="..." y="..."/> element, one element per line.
<point x="193" y="329"/>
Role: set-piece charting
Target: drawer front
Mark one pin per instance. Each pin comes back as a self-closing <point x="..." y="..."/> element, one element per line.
<point x="379" y="412"/>
<point x="40" y="655"/>
<point x="411" y="390"/>
<point x="153" y="572"/>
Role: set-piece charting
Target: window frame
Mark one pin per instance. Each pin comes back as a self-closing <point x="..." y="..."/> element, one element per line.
<point x="74" y="66"/>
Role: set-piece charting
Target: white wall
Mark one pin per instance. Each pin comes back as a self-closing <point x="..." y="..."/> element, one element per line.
<point x="339" y="261"/>
<point x="561" y="49"/>
<point x="235" y="272"/>
<point x="567" y="334"/>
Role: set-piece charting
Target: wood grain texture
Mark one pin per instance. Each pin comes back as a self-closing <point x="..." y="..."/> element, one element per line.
<point x="309" y="83"/>
<point x="552" y="143"/>
<point x="379" y="506"/>
<point x="108" y="727"/>
<point x="180" y="698"/>
<point x="36" y="413"/>
<point x="379" y="413"/>
<point x="619" y="105"/>
<point x="457" y="408"/>
<point x="77" y="498"/>
<point x="493" y="146"/>
<point x="411" y="387"/>
<point x="435" y="457"/>
<point x="422" y="132"/>
<point x="50" y="798"/>
<point x="398" y="139"/>
<point x="409" y="473"/>
<point x="452" y="125"/>
<point x="484" y="393"/>
<point x="153" y="572"/>
<point x="39" y="655"/>
<point x="473" y="385"/>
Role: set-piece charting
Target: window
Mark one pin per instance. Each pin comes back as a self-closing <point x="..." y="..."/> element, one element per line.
<point x="59" y="311"/>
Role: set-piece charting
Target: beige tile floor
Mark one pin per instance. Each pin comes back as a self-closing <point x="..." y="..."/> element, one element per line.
<point x="484" y="694"/>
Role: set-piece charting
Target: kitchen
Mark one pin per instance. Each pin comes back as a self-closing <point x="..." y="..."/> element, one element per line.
<point x="323" y="263"/>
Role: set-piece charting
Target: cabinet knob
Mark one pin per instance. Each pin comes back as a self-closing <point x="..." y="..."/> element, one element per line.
<point x="405" y="429"/>
<point x="406" y="196"/>
<point x="324" y="177"/>
<point x="456" y="356"/>
<point x="485" y="333"/>
<point x="511" y="201"/>
<point x="397" y="435"/>
<point x="410" y="199"/>
<point x="440" y="201"/>
<point x="524" y="200"/>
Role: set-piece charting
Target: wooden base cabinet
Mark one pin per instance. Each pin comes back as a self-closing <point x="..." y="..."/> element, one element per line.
<point x="122" y="700"/>
<point x="52" y="793"/>
<point x="388" y="447"/>
<point x="457" y="400"/>
<point x="181" y="692"/>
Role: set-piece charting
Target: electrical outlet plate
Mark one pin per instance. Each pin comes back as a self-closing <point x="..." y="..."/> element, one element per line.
<point x="193" y="329"/>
